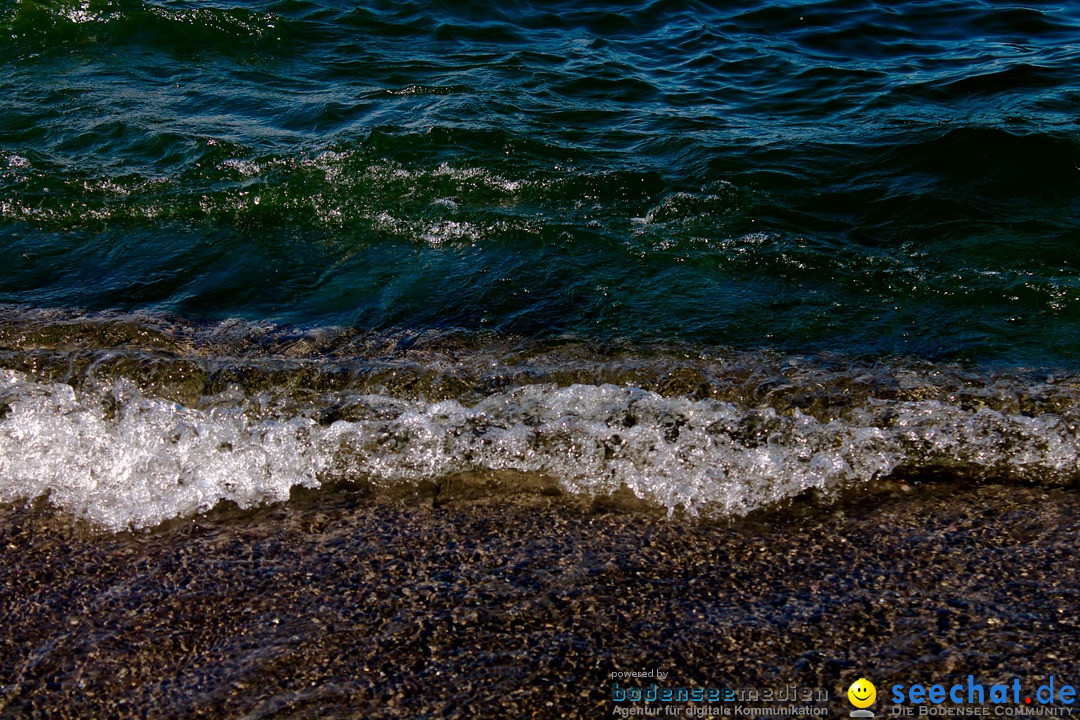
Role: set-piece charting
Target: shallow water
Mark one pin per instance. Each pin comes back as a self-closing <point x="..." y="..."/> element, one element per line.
<point x="336" y="606"/>
<point x="718" y="256"/>
<point x="129" y="421"/>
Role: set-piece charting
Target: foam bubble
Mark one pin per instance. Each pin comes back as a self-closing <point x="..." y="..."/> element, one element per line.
<point x="121" y="458"/>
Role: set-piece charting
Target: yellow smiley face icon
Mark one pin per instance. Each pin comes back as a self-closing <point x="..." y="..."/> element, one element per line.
<point x="862" y="693"/>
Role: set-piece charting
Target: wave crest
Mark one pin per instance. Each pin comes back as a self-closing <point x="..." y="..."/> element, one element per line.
<point x="129" y="439"/>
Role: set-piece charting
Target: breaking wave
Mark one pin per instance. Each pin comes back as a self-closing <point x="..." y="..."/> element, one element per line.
<point x="131" y="434"/>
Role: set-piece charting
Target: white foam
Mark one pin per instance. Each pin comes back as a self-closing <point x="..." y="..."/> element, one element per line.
<point x="122" y="459"/>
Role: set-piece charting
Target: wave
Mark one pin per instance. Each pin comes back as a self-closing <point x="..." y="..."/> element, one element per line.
<point x="129" y="421"/>
<point x="37" y="25"/>
<point x="919" y="180"/>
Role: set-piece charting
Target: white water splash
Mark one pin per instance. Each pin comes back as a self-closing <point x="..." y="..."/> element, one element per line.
<point x="123" y="459"/>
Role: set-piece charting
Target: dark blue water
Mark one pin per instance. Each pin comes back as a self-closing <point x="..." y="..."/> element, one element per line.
<point x="861" y="178"/>
<point x="714" y="255"/>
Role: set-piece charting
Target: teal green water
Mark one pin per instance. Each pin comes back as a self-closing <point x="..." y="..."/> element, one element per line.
<point x="869" y="179"/>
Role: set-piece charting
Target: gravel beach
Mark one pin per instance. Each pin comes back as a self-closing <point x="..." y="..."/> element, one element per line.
<point x="477" y="604"/>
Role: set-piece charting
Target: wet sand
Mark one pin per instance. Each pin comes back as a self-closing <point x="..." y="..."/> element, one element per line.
<point x="340" y="605"/>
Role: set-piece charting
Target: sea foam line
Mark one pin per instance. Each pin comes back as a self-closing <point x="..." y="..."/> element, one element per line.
<point x="122" y="458"/>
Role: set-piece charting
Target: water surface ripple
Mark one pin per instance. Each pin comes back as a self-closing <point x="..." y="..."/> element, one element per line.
<point x="857" y="177"/>
<point x="716" y="254"/>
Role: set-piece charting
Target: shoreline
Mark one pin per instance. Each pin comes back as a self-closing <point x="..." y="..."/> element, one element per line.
<point x="130" y="420"/>
<point x="339" y="605"/>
